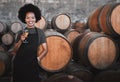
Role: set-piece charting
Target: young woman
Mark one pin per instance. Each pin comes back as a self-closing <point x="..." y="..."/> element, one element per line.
<point x="27" y="45"/>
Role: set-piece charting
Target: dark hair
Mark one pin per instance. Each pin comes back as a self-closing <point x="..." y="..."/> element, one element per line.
<point x="29" y="8"/>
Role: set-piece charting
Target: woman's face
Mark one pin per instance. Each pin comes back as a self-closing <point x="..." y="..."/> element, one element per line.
<point x="30" y="19"/>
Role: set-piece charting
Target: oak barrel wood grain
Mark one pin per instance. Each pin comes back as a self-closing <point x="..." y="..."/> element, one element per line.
<point x="61" y="22"/>
<point x="59" y="52"/>
<point x="16" y="27"/>
<point x="71" y="35"/>
<point x="95" y="50"/>
<point x="106" y="19"/>
<point x="109" y="19"/>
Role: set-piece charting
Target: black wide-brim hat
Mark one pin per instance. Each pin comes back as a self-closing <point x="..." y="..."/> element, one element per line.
<point x="29" y="8"/>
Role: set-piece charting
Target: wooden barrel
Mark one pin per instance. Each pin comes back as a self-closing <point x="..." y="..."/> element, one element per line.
<point x="59" y="52"/>
<point x="15" y="27"/>
<point x="79" y="71"/>
<point x="61" y="22"/>
<point x="93" y="22"/>
<point x="106" y="19"/>
<point x="79" y="26"/>
<point x="42" y="24"/>
<point x="109" y="19"/>
<point x="62" y="77"/>
<point x="8" y="38"/>
<point x="95" y="50"/>
<point x="108" y="76"/>
<point x="71" y="35"/>
<point x="3" y="27"/>
<point x="4" y="62"/>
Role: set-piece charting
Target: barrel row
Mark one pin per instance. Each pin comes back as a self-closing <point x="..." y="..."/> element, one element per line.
<point x="60" y="23"/>
<point x="89" y="48"/>
<point x="98" y="52"/>
<point x="57" y="58"/>
<point x="106" y="19"/>
<point x="14" y="27"/>
<point x="17" y="26"/>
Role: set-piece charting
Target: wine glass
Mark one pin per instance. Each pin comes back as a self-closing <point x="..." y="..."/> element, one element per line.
<point x="25" y="31"/>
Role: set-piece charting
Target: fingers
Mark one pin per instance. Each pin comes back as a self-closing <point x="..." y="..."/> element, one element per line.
<point x="23" y="36"/>
<point x="38" y="59"/>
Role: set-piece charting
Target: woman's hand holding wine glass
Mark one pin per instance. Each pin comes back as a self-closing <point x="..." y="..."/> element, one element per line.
<point x="24" y="36"/>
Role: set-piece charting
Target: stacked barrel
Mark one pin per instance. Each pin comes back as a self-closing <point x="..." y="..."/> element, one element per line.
<point x="60" y="38"/>
<point x="106" y="20"/>
<point x="7" y="38"/>
<point x="94" y="47"/>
